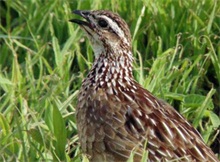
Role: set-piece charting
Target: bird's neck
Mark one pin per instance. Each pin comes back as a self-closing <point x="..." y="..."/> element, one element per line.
<point x="110" y="70"/>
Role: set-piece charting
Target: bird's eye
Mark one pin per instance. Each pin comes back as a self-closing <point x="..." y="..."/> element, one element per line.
<point x="102" y="23"/>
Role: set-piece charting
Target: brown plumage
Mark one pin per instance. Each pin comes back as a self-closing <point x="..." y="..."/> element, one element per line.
<point x="115" y="115"/>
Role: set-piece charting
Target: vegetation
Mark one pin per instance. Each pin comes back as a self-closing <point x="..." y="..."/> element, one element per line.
<point x="43" y="59"/>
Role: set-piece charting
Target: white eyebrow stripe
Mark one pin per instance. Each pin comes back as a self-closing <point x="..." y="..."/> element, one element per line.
<point x="114" y="26"/>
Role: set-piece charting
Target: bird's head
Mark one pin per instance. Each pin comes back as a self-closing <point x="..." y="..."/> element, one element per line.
<point x="106" y="31"/>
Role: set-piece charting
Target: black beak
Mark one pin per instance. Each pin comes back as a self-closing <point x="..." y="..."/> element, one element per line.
<point x="84" y="14"/>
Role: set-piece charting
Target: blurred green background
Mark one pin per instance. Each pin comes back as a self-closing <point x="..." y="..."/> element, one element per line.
<point x="43" y="59"/>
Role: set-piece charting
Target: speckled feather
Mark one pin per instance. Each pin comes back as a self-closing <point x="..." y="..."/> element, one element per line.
<point x="116" y="116"/>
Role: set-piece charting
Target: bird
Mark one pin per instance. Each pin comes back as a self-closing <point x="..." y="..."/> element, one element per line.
<point x="115" y="116"/>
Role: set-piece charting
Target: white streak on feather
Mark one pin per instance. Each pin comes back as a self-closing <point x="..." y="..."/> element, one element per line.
<point x="127" y="96"/>
<point x="162" y="153"/>
<point x="132" y="91"/>
<point x="112" y="69"/>
<point x="186" y="132"/>
<point x="117" y="119"/>
<point x="139" y="124"/>
<point x="110" y="91"/>
<point x="108" y="84"/>
<point x="181" y="134"/>
<point x="153" y="121"/>
<point x="198" y="151"/>
<point x="139" y="112"/>
<point x="113" y="82"/>
<point x="121" y="83"/>
<point x="101" y="83"/>
<point x="153" y="144"/>
<point x="151" y="103"/>
<point x="168" y="130"/>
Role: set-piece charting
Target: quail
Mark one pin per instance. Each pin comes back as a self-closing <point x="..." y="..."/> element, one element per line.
<point x="115" y="115"/>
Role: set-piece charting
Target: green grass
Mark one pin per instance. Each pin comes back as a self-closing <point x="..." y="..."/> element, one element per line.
<point x="43" y="59"/>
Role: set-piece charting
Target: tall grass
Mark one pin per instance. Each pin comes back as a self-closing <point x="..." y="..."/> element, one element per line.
<point x="43" y="59"/>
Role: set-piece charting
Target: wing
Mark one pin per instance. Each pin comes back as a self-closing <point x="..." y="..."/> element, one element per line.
<point x="120" y="124"/>
<point x="169" y="135"/>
